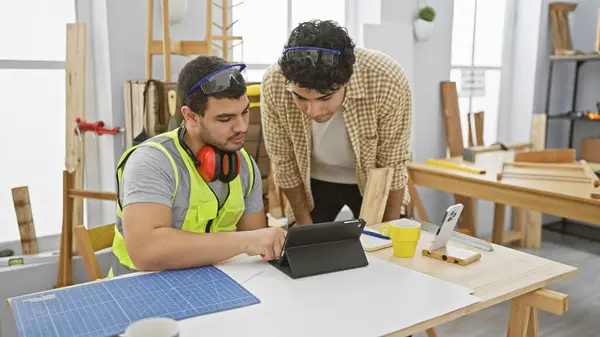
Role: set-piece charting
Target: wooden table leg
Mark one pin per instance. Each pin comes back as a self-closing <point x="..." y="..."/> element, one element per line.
<point x="523" y="321"/>
<point x="431" y="333"/>
<point x="519" y="224"/>
<point x="533" y="232"/>
<point x="498" y="230"/>
<point x="468" y="219"/>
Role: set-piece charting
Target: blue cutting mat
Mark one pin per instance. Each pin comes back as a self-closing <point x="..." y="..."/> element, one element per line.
<point x="107" y="308"/>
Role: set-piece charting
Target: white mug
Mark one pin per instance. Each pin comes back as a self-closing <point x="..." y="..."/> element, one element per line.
<point x="153" y="327"/>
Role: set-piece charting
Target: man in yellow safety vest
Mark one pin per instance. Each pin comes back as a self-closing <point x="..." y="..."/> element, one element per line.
<point x="193" y="196"/>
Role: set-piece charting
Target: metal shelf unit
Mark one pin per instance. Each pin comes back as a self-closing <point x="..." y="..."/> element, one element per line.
<point x="571" y="116"/>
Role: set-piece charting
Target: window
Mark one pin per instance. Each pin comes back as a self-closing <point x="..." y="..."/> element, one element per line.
<point x="477" y="41"/>
<point x="32" y="75"/>
<point x="264" y="39"/>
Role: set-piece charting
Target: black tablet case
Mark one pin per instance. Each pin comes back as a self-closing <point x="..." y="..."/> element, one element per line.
<point x="322" y="248"/>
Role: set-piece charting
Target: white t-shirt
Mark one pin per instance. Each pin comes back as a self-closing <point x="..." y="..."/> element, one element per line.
<point x="332" y="154"/>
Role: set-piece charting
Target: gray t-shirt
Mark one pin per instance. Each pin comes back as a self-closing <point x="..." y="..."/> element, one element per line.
<point x="149" y="177"/>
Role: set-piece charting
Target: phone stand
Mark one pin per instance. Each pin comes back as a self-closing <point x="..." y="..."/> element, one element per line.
<point x="322" y="248"/>
<point x="455" y="255"/>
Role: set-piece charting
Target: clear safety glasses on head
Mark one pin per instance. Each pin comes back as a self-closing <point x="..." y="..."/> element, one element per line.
<point x="221" y="79"/>
<point x="327" y="56"/>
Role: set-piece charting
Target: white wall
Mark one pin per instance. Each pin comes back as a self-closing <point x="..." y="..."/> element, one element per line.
<point x="525" y="63"/>
<point x="426" y="67"/>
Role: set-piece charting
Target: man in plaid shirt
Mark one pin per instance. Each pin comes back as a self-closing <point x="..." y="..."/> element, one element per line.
<point x="330" y="113"/>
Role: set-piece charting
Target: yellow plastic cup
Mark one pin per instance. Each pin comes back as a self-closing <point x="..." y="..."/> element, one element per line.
<point x="405" y="235"/>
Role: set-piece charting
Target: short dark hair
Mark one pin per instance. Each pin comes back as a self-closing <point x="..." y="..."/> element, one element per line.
<point x="321" y="77"/>
<point x="193" y="72"/>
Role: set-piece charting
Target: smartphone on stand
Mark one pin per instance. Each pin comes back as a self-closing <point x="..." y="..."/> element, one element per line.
<point x="447" y="227"/>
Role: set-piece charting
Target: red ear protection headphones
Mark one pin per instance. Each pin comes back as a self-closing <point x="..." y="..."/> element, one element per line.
<point x="213" y="163"/>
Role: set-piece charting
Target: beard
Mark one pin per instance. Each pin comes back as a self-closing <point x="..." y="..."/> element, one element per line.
<point x="208" y="138"/>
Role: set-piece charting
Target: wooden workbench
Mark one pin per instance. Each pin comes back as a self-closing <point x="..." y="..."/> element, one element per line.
<point x="559" y="198"/>
<point x="503" y="274"/>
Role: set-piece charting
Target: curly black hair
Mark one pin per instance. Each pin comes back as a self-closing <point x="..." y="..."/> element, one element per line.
<point x="321" y="77"/>
<point x="197" y="69"/>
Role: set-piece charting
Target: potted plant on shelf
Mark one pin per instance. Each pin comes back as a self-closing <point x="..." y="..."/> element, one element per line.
<point x="423" y="25"/>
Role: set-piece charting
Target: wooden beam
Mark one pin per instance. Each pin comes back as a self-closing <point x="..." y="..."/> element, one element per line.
<point x="75" y="104"/>
<point x="179" y="47"/>
<point x="376" y="193"/>
<point x="224" y="21"/>
<point x="470" y="153"/>
<point x="77" y="193"/>
<point x="166" y="40"/>
<point x="545" y="299"/>
<point x="65" y="258"/>
<point x="22" y="203"/>
<point x="551" y="166"/>
<point x="149" y="40"/>
<point x="87" y="253"/>
<point x="416" y="200"/>
<point x="209" y="24"/>
<point x="546" y="156"/>
<point x="478" y="121"/>
<point x="226" y="38"/>
<point x="508" y="237"/>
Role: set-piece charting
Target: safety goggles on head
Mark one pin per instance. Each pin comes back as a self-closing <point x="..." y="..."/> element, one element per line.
<point x="328" y="56"/>
<point x="220" y="80"/>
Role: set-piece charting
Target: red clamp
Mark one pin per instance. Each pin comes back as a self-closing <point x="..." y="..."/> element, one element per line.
<point x="96" y="127"/>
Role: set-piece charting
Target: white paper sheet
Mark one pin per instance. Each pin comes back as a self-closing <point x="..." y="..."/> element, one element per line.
<point x="371" y="301"/>
<point x="371" y="243"/>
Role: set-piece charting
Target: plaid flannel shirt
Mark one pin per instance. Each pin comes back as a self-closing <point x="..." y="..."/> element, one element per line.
<point x="378" y="115"/>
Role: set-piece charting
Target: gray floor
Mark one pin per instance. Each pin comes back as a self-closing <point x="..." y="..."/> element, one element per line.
<point x="583" y="317"/>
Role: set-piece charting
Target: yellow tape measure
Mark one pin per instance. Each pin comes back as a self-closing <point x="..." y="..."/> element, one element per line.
<point x="454" y="166"/>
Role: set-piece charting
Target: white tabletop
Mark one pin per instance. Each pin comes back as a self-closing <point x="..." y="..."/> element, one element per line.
<point x="372" y="301"/>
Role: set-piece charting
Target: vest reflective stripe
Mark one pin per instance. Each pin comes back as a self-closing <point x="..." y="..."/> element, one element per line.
<point x="202" y="213"/>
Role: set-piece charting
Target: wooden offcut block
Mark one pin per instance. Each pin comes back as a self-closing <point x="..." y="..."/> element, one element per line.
<point x="376" y="194"/>
<point x="546" y="156"/>
<point x="452" y="123"/>
<point x="590" y="149"/>
<point x="561" y="30"/>
<point x="538" y="131"/>
<point x="22" y="204"/>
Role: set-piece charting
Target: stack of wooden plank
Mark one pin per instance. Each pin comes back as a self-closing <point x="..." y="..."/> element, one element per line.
<point x="147" y="110"/>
